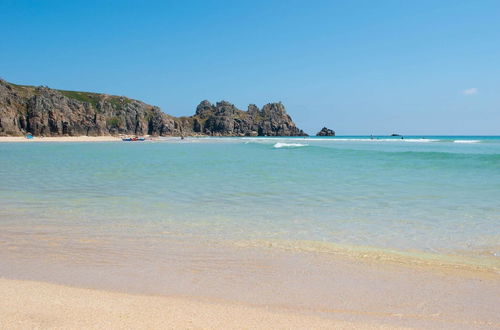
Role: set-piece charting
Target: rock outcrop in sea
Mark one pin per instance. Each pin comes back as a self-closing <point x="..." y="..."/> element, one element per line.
<point x="50" y="112"/>
<point x="326" y="132"/>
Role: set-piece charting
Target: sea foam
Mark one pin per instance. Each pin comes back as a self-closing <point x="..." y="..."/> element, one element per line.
<point x="466" y="141"/>
<point x="289" y="145"/>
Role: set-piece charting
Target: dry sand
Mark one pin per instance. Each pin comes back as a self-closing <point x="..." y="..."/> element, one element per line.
<point x="60" y="139"/>
<point x="28" y="305"/>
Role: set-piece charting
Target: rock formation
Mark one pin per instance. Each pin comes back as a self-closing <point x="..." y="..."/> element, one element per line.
<point x="223" y="118"/>
<point x="326" y="132"/>
<point x="50" y="112"/>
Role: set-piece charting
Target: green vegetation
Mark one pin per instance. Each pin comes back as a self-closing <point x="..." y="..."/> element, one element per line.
<point x="118" y="101"/>
<point x="240" y="114"/>
<point x="95" y="98"/>
<point x="92" y="98"/>
<point x="16" y="86"/>
<point x="113" y="122"/>
<point x="259" y="118"/>
<point x="24" y="90"/>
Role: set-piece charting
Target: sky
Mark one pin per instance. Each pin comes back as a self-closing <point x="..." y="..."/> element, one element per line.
<point x="358" y="67"/>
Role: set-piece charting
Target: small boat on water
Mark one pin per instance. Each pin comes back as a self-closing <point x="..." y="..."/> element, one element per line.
<point x="134" y="139"/>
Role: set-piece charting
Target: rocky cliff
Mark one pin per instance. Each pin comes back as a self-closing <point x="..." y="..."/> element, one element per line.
<point x="50" y="112"/>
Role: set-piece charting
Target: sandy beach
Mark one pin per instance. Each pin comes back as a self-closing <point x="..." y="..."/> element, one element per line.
<point x="84" y="138"/>
<point x="27" y="304"/>
<point x="118" y="284"/>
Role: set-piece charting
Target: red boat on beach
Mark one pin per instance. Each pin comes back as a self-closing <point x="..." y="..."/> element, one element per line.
<point x="134" y="139"/>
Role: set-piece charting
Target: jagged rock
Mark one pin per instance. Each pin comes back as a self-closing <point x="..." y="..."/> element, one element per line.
<point x="224" y="118"/>
<point x="326" y="132"/>
<point x="50" y="112"/>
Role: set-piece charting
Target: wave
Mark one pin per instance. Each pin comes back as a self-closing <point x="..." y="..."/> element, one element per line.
<point x="466" y="141"/>
<point x="420" y="140"/>
<point x="289" y="145"/>
<point x="410" y="257"/>
<point x="334" y="140"/>
<point x="269" y="139"/>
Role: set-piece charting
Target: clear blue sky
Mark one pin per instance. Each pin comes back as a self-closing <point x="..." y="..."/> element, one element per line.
<point x="359" y="67"/>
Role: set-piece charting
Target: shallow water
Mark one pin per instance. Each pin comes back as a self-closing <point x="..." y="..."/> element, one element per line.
<point x="432" y="195"/>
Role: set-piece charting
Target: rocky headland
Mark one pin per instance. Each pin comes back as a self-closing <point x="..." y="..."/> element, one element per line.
<point x="50" y="112"/>
<point x="326" y="132"/>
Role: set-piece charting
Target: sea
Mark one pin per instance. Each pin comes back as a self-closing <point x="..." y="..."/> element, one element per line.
<point x="424" y="199"/>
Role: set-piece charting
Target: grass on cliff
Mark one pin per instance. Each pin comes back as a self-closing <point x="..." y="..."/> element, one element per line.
<point x="88" y="97"/>
<point x="95" y="98"/>
<point x="24" y="90"/>
<point x="92" y="98"/>
<point x="118" y="101"/>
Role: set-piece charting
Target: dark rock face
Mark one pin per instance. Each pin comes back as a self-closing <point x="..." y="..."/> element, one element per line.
<point x="223" y="118"/>
<point x="326" y="132"/>
<point x="50" y="112"/>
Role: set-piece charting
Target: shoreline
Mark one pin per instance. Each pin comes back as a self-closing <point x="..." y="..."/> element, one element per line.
<point x="86" y="138"/>
<point x="384" y="256"/>
<point x="37" y="139"/>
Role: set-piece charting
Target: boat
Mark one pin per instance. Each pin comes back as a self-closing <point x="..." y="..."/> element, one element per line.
<point x="134" y="139"/>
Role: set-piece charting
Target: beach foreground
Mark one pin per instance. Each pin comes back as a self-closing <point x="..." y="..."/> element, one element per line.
<point x="27" y="304"/>
<point x="184" y="284"/>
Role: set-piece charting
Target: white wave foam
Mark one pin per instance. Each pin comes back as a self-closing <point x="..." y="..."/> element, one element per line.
<point x="466" y="141"/>
<point x="280" y="142"/>
<point x="329" y="140"/>
<point x="420" y="140"/>
<point x="372" y="140"/>
<point x="289" y="145"/>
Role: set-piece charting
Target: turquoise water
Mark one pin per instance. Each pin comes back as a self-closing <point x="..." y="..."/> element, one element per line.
<point x="435" y="194"/>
